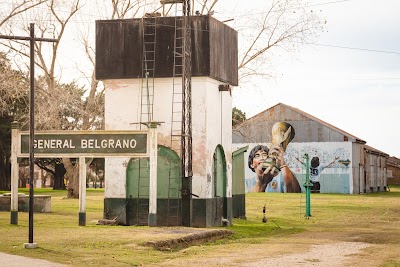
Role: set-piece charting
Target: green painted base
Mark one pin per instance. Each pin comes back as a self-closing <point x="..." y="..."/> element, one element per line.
<point x="205" y="212"/>
<point x="152" y="219"/>
<point x="135" y="211"/>
<point x="239" y="206"/>
<point x="14" y="217"/>
<point x="82" y="218"/>
<point x="212" y="212"/>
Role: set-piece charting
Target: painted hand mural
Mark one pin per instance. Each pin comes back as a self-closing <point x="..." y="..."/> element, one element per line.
<point x="268" y="163"/>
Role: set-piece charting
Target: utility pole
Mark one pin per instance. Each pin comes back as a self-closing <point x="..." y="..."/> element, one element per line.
<point x="32" y="40"/>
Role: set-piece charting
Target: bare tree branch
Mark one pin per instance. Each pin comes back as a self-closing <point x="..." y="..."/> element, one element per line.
<point x="21" y="8"/>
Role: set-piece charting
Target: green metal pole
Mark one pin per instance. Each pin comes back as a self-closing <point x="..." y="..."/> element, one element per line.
<point x="308" y="186"/>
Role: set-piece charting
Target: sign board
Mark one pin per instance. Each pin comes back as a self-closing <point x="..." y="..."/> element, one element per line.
<point x="52" y="144"/>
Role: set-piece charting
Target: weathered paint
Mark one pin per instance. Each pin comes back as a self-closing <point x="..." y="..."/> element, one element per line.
<point x="238" y="185"/>
<point x="168" y="186"/>
<point x="122" y="109"/>
<point x="308" y="128"/>
<point x="153" y="176"/>
<point x="211" y="116"/>
<point x="375" y="172"/>
<point x="14" y="173"/>
<point x="82" y="191"/>
<point x="119" y="46"/>
<point x="337" y="178"/>
<point x="115" y="183"/>
<point x="367" y="175"/>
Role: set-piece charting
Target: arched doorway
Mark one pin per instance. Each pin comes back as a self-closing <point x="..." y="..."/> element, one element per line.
<point x="219" y="185"/>
<point x="169" y="203"/>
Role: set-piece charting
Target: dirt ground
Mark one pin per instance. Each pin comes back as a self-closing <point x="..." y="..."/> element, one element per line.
<point x="327" y="255"/>
<point x="306" y="249"/>
<point x="319" y="249"/>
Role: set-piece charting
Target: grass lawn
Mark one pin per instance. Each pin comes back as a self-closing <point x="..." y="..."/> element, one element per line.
<point x="373" y="218"/>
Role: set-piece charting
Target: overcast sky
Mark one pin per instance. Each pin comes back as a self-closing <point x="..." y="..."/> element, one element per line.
<point x="350" y="78"/>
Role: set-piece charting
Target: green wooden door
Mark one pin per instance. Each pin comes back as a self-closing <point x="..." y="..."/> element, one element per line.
<point x="168" y="186"/>
<point x="219" y="185"/>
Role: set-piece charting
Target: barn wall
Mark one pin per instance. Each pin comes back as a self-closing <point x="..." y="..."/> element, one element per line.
<point x="393" y="171"/>
<point x="307" y="130"/>
<point x="337" y="178"/>
<point x="376" y="172"/>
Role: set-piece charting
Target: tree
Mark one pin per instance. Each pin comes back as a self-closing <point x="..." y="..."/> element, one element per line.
<point x="17" y="7"/>
<point x="281" y="25"/>
<point x="5" y="149"/>
<point x="58" y="106"/>
<point x="13" y="106"/>
<point x="238" y="116"/>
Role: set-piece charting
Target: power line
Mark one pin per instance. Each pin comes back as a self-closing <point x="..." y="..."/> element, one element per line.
<point x="357" y="48"/>
<point x="329" y="3"/>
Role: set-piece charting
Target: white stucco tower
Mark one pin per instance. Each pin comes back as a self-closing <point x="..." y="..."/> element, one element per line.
<point x="205" y="198"/>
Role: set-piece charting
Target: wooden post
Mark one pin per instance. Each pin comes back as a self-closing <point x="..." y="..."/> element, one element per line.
<point x="14" y="172"/>
<point x="82" y="191"/>
<point x="153" y="175"/>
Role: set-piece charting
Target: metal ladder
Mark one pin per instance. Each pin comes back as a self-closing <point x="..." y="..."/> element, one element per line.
<point x="177" y="119"/>
<point x="146" y="112"/>
<point x="148" y="67"/>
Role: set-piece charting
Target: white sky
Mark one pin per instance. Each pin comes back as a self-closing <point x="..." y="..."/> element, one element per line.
<point x="354" y="89"/>
<point x="357" y="90"/>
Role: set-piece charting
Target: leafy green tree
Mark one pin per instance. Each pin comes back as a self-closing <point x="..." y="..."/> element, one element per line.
<point x="238" y="116"/>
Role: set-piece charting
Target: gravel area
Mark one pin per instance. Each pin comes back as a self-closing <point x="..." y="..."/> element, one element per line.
<point x="326" y="255"/>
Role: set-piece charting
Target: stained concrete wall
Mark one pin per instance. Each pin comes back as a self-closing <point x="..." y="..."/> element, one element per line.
<point x="211" y="126"/>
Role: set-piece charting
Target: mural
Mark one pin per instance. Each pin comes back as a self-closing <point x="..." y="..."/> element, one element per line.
<point x="315" y="172"/>
<point x="280" y="166"/>
<point x="268" y="163"/>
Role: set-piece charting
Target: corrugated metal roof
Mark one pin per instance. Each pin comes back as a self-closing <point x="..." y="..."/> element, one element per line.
<point x="393" y="161"/>
<point x="375" y="151"/>
<point x="311" y="117"/>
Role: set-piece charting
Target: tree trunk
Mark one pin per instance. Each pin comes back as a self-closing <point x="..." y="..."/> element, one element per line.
<point x="5" y="175"/>
<point x="5" y="153"/>
<point x="72" y="177"/>
<point x="58" y="182"/>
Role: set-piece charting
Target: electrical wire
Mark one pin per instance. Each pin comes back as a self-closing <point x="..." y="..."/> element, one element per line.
<point x="357" y="48"/>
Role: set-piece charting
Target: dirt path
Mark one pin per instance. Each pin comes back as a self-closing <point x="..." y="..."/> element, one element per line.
<point x="318" y="249"/>
<point x="327" y="255"/>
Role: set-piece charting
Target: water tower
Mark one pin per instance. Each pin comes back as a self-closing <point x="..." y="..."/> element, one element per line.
<point x="176" y="73"/>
